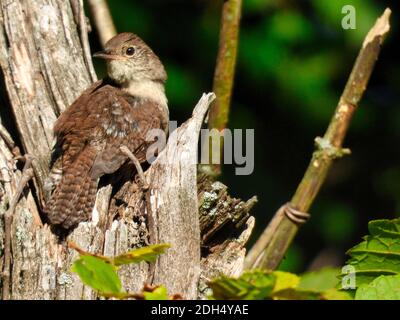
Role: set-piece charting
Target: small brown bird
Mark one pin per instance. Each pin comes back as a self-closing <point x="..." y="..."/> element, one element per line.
<point x="116" y="111"/>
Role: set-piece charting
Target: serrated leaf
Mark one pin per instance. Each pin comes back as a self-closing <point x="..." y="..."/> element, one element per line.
<point x="252" y="285"/>
<point x="378" y="254"/>
<point x="390" y="228"/>
<point x="159" y="293"/>
<point x="98" y="274"/>
<point x="382" y="288"/>
<point x="148" y="254"/>
<point x="320" y="280"/>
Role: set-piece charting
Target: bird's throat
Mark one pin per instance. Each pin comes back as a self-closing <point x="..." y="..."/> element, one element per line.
<point x="148" y="89"/>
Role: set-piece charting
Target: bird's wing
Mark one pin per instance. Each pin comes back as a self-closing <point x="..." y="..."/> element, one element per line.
<point x="129" y="122"/>
<point x="69" y="128"/>
<point x="106" y="118"/>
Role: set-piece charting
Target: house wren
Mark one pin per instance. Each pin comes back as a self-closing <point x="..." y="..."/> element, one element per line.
<point x="116" y="111"/>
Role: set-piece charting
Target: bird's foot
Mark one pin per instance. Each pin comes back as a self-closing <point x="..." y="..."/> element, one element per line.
<point x="142" y="179"/>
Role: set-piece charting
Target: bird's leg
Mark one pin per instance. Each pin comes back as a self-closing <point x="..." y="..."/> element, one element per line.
<point x="135" y="161"/>
<point x="294" y="215"/>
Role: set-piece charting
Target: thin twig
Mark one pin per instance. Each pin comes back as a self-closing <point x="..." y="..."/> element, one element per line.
<point x="138" y="166"/>
<point x="225" y="71"/>
<point x="83" y="29"/>
<point x="27" y="175"/>
<point x="72" y="245"/>
<point x="146" y="190"/>
<point x="271" y="247"/>
<point x="103" y="21"/>
<point x="150" y="219"/>
<point x="7" y="137"/>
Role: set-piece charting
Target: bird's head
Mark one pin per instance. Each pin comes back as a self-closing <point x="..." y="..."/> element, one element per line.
<point x="130" y="59"/>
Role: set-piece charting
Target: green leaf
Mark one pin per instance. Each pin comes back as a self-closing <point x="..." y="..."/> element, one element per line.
<point x="301" y="294"/>
<point x="316" y="285"/>
<point x="278" y="285"/>
<point x="98" y="274"/>
<point x="320" y="280"/>
<point x="158" y="294"/>
<point x="149" y="254"/>
<point x="390" y="228"/>
<point x="254" y="285"/>
<point x="378" y="254"/>
<point x="297" y="294"/>
<point x="382" y="288"/>
<point x="285" y="280"/>
<point x="335" y="294"/>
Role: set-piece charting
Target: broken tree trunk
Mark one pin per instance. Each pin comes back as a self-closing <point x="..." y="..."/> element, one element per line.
<point x="45" y="60"/>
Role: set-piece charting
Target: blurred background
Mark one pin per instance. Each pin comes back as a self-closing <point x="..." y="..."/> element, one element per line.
<point x="294" y="60"/>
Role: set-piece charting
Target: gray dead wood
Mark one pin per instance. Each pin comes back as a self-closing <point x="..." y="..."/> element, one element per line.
<point x="45" y="69"/>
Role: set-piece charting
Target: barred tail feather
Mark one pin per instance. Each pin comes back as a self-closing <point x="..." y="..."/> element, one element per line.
<point x="74" y="197"/>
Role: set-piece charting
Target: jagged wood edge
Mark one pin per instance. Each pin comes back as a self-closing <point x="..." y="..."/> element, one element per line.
<point x="40" y="263"/>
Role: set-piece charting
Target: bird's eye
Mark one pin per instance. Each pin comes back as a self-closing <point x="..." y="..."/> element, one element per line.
<point x="130" y="51"/>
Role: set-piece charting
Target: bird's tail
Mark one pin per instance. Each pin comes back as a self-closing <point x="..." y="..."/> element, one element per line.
<point x="73" y="199"/>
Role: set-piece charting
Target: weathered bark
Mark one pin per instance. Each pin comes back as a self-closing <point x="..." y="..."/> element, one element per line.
<point x="226" y="226"/>
<point x="45" y="69"/>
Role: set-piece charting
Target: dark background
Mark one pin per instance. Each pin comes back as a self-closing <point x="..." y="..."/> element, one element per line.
<point x="294" y="60"/>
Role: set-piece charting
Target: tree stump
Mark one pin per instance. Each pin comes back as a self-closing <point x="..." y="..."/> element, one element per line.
<point x="45" y="60"/>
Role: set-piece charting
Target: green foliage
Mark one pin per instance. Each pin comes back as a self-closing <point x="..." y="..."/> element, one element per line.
<point x="278" y="285"/>
<point x="293" y="260"/>
<point x="159" y="293"/>
<point x="330" y="14"/>
<point x="255" y="285"/>
<point x="181" y="86"/>
<point x="378" y="254"/>
<point x="148" y="254"/>
<point x="321" y="280"/>
<point x="337" y="223"/>
<point x="382" y="288"/>
<point x="290" y="27"/>
<point x="256" y="5"/>
<point x="100" y="272"/>
<point x="376" y="262"/>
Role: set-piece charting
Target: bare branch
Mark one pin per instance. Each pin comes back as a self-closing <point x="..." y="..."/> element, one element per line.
<point x="102" y="19"/>
<point x="5" y="135"/>
<point x="272" y="245"/>
<point x="83" y="27"/>
<point x="225" y="70"/>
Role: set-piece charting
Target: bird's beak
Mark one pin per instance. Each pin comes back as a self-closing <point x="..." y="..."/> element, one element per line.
<point x="106" y="54"/>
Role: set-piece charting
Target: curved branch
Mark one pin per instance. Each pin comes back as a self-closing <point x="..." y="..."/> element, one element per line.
<point x="272" y="245"/>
